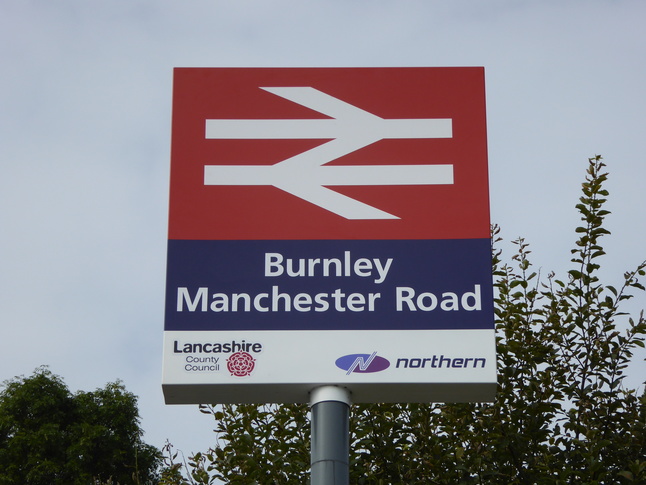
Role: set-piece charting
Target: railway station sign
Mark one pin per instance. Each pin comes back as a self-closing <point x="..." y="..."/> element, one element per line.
<point x="329" y="226"/>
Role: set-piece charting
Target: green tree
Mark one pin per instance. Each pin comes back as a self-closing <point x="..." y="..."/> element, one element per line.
<point x="562" y="414"/>
<point x="49" y="436"/>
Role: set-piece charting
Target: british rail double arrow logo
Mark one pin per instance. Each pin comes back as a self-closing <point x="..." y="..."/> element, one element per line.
<point x="306" y="175"/>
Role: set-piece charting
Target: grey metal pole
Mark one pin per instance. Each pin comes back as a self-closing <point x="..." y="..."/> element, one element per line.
<point x="330" y="436"/>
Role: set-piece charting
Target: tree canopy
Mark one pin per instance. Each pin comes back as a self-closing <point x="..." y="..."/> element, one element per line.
<point x="562" y="413"/>
<point x="49" y="436"/>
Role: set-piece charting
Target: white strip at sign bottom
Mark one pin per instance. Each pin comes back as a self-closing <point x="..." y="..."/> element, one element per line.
<point x="220" y="367"/>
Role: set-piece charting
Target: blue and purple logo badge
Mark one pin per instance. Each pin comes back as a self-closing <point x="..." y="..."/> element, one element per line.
<point x="362" y="363"/>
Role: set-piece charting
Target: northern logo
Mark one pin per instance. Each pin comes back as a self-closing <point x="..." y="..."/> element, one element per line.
<point x="362" y="363"/>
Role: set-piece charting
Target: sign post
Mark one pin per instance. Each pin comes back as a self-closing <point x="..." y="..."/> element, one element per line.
<point x="329" y="230"/>
<point x="330" y="436"/>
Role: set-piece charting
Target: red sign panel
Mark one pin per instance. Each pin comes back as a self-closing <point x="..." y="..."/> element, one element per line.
<point x="320" y="154"/>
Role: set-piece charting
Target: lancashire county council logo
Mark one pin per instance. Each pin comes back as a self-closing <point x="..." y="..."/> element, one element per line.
<point x="362" y="363"/>
<point x="240" y="364"/>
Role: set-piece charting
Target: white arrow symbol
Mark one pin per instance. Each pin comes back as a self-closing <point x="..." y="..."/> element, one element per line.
<point x="306" y="175"/>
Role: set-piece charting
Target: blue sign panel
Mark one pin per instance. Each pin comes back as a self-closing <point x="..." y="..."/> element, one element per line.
<point x="340" y="285"/>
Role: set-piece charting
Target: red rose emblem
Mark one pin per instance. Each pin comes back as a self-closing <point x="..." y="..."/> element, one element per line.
<point x="240" y="364"/>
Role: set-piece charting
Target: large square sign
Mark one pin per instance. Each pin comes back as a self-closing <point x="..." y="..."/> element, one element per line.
<point x="329" y="226"/>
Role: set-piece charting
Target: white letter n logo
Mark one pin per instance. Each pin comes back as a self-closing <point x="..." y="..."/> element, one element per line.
<point x="363" y="365"/>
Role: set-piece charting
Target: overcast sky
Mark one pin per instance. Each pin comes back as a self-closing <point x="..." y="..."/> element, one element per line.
<point x="85" y="96"/>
